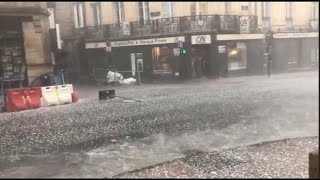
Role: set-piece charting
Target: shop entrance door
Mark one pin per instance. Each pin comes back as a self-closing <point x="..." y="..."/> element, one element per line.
<point x="200" y="60"/>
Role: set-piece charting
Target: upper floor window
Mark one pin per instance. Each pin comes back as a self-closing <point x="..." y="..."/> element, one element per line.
<point x="315" y="11"/>
<point x="78" y="15"/>
<point x="119" y="6"/>
<point x="265" y="9"/>
<point x="255" y="10"/>
<point x="143" y="11"/>
<point x="96" y="9"/>
<point x="198" y="8"/>
<point x="168" y="9"/>
<point x="289" y="10"/>
<point x="227" y="8"/>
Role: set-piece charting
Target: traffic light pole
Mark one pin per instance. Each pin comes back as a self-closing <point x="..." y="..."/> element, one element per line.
<point x="269" y="64"/>
<point x="269" y="43"/>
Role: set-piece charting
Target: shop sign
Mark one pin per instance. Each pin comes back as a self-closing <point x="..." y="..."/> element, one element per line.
<point x="201" y="39"/>
<point x="140" y="42"/>
<point x="228" y="37"/>
<point x="295" y="35"/>
<point x="95" y="45"/>
<point x="244" y="24"/>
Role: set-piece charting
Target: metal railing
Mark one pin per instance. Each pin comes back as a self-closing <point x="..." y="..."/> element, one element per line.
<point x="217" y="23"/>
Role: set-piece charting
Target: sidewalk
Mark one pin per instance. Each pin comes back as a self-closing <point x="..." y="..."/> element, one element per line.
<point x="278" y="159"/>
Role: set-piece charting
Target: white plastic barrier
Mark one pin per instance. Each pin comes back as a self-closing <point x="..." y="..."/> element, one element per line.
<point x="64" y="93"/>
<point x="49" y="96"/>
<point x="70" y="86"/>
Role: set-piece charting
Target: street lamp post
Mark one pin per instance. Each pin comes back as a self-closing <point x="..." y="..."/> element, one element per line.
<point x="268" y="46"/>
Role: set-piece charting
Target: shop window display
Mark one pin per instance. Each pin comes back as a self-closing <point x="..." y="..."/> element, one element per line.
<point x="237" y="56"/>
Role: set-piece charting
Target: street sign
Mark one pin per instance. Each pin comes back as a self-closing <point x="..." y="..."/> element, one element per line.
<point x="108" y="46"/>
<point x="176" y="51"/>
<point x="244" y="24"/>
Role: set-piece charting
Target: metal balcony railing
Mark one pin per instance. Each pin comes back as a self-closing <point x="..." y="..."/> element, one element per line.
<point x="209" y="23"/>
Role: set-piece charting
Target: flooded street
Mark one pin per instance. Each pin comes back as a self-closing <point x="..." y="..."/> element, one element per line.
<point x="114" y="137"/>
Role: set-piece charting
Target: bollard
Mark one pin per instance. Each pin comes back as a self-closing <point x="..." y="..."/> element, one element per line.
<point x="314" y="165"/>
<point x="139" y="78"/>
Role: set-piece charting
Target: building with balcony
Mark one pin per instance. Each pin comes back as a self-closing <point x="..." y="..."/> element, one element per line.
<point x="24" y="42"/>
<point x="207" y="31"/>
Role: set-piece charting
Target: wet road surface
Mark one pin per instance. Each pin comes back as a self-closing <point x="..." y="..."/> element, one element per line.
<point x="102" y="139"/>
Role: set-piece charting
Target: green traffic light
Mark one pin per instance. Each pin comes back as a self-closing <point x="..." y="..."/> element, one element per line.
<point x="184" y="51"/>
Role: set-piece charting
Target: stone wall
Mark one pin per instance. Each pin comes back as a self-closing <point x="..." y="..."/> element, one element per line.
<point x="65" y="18"/>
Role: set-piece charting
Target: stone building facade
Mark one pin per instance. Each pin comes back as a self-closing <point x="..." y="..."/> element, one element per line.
<point x="24" y="41"/>
<point x="208" y="30"/>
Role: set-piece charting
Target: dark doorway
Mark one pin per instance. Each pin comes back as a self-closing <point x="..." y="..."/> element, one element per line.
<point x="200" y="60"/>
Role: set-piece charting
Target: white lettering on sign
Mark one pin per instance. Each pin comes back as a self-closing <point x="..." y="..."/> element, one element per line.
<point x="141" y="42"/>
<point x="295" y="35"/>
<point x="201" y="39"/>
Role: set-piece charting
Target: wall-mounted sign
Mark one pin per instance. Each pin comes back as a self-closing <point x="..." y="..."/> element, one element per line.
<point x="154" y="14"/>
<point x="201" y="39"/>
<point x="244" y="24"/>
<point x="141" y="42"/>
<point x="95" y="45"/>
<point x="244" y="8"/>
<point x="126" y="28"/>
<point x="227" y="37"/>
<point x="295" y="35"/>
<point x="221" y="49"/>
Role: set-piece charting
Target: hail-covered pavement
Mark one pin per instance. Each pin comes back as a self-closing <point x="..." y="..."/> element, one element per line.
<point x="94" y="138"/>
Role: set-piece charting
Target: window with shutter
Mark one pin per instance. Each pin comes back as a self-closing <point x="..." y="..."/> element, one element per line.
<point x="78" y="15"/>
<point x="96" y="9"/>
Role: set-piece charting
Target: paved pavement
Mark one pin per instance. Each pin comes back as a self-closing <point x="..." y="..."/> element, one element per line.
<point x="277" y="159"/>
<point x="173" y="119"/>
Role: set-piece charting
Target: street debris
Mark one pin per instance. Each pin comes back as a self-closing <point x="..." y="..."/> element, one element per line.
<point x="114" y="77"/>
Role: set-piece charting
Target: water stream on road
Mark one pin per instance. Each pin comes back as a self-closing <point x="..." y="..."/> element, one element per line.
<point x="119" y="158"/>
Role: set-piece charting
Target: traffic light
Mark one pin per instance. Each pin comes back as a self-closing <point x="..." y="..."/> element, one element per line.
<point x="183" y="51"/>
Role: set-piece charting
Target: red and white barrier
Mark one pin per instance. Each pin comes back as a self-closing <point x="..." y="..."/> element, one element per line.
<point x="23" y="99"/>
<point x="64" y="93"/>
<point x="36" y="97"/>
<point x="49" y="96"/>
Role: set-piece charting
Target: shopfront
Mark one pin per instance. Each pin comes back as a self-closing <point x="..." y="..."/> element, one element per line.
<point x="295" y="51"/>
<point x="160" y="56"/>
<point x="241" y="54"/>
<point x="200" y="55"/>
